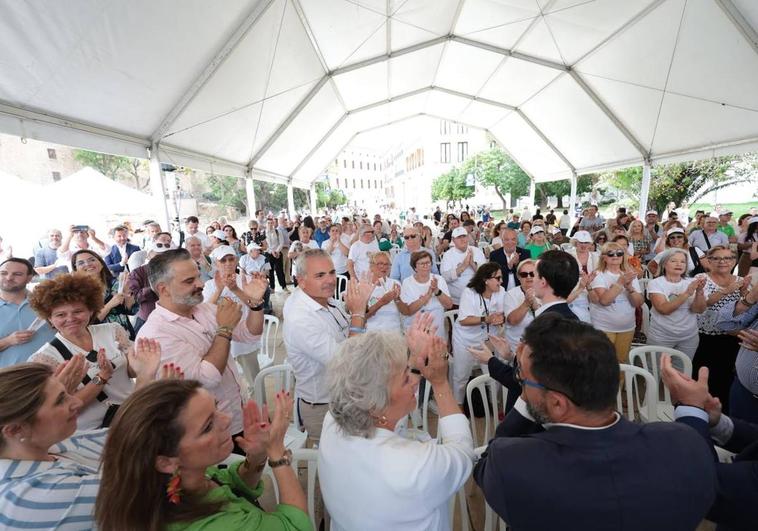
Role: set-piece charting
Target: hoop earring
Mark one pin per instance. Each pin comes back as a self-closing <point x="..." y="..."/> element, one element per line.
<point x="382" y="420"/>
<point x="174" y="488"/>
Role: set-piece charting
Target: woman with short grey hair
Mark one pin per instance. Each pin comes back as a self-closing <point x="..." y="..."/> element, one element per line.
<point x="371" y="477"/>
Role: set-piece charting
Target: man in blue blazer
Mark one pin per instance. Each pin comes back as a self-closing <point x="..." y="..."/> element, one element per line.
<point x="737" y="495"/>
<point x="120" y="252"/>
<point x="563" y="458"/>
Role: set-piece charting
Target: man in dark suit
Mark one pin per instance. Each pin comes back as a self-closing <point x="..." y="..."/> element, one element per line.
<point x="508" y="258"/>
<point x="734" y="508"/>
<point x="563" y="458"/>
<point x="556" y="276"/>
<point x="121" y="251"/>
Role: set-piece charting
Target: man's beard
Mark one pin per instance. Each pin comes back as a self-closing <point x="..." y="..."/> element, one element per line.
<point x="539" y="414"/>
<point x="191" y="300"/>
<point x="12" y="289"/>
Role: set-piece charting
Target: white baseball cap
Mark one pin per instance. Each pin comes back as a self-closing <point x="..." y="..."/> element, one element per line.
<point x="221" y="235"/>
<point x="651" y="212"/>
<point x="222" y="251"/>
<point x="675" y="230"/>
<point x="251" y="245"/>
<point x="536" y="229"/>
<point x="582" y="236"/>
<point x="460" y="231"/>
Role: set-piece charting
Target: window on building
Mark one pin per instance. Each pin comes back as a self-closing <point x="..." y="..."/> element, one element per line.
<point x="374" y="166"/>
<point x="444" y="127"/>
<point x="368" y="182"/>
<point x="56" y="176"/>
<point x="375" y="184"/>
<point x="361" y="184"/>
<point x="493" y="144"/>
<point x="353" y="163"/>
<point x="445" y="152"/>
<point x="462" y="151"/>
<point x="51" y="154"/>
<point x="353" y="181"/>
<point x="344" y="163"/>
<point x="360" y="164"/>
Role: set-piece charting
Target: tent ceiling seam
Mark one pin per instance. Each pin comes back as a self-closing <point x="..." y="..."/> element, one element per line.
<point x="309" y="32"/>
<point x="668" y="74"/>
<point x="733" y="13"/>
<point x="552" y="37"/>
<point x="199" y="82"/>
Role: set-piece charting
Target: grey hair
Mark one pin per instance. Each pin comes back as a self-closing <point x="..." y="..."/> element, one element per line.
<point x="191" y="238"/>
<point x="526" y="262"/>
<point x="302" y="259"/>
<point x="159" y="270"/>
<point x="377" y="254"/>
<point x="667" y="254"/>
<point x="358" y="377"/>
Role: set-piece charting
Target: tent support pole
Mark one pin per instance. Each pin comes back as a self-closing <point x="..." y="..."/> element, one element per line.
<point x="532" y="191"/>
<point x="250" y="193"/>
<point x="290" y="200"/>
<point x="645" y="191"/>
<point x="158" y="186"/>
<point x="572" y="197"/>
<point x="314" y="205"/>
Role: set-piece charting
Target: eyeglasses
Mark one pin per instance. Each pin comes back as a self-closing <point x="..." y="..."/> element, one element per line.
<point x="614" y="254"/>
<point x="80" y="263"/>
<point x="531" y="383"/>
<point x="677" y="237"/>
<point x="524" y="274"/>
<point x="720" y="258"/>
<point x="162" y="245"/>
<point x="425" y="263"/>
<point x="411" y="236"/>
<point x="382" y="264"/>
<point x="498" y="277"/>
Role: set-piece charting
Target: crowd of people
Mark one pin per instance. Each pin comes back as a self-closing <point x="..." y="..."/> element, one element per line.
<point x="124" y="366"/>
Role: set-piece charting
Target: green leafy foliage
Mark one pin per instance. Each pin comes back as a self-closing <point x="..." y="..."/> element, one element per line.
<point x="451" y="186"/>
<point x="561" y="188"/>
<point x="329" y="198"/>
<point x="228" y="191"/>
<point x="115" y="167"/>
<point x="494" y="168"/>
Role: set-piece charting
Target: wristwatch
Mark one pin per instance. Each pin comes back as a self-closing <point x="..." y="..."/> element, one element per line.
<point x="98" y="380"/>
<point x="439" y="292"/>
<point x="285" y="460"/>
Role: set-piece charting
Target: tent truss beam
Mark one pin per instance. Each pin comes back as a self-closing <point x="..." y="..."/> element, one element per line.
<point x="228" y="47"/>
<point x="546" y="140"/>
<point x="320" y="143"/>
<point x="740" y="22"/>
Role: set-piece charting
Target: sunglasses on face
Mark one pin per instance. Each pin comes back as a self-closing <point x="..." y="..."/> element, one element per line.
<point x="614" y="254"/>
<point x="524" y="274"/>
<point x="162" y="245"/>
<point x="411" y="237"/>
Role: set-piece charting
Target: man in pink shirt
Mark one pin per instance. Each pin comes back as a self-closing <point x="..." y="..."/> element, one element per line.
<point x="197" y="335"/>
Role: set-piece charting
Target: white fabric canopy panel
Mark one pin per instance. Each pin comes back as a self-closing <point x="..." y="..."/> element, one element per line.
<point x="276" y="88"/>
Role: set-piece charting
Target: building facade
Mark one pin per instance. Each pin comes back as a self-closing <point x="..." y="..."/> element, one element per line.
<point x="35" y="161"/>
<point x="359" y="174"/>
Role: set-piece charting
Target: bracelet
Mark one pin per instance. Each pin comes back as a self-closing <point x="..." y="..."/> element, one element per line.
<point x="359" y="315"/>
<point x="357" y="330"/>
<point x="257" y="468"/>
<point x="257" y="308"/>
<point x="225" y="334"/>
<point x="745" y="302"/>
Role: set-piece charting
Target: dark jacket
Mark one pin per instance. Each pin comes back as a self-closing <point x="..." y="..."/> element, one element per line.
<point x="499" y="258"/>
<point x="656" y="477"/>
<point x="113" y="258"/>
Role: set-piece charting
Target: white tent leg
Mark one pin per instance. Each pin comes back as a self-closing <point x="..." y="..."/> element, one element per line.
<point x="572" y="198"/>
<point x="645" y="191"/>
<point x="532" y="192"/>
<point x="313" y="199"/>
<point x="250" y="193"/>
<point x="290" y="200"/>
<point x="158" y="186"/>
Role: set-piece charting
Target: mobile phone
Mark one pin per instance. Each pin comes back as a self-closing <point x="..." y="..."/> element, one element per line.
<point x="81" y="228"/>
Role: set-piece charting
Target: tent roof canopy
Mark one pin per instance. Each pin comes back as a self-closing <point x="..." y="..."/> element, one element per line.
<point x="278" y="88"/>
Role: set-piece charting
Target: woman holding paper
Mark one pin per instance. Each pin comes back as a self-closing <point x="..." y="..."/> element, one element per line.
<point x="118" y="304"/>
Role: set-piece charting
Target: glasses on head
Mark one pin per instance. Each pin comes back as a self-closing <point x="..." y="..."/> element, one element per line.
<point x="524" y="274"/>
<point x="531" y="383"/>
<point x="411" y="236"/>
<point x="162" y="245"/>
<point x="614" y="254"/>
<point x="720" y="258"/>
<point x="88" y="261"/>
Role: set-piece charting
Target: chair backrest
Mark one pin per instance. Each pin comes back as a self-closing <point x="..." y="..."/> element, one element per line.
<point x="425" y="409"/>
<point x="485" y="385"/>
<point x="649" y="358"/>
<point x="341" y="285"/>
<point x="643" y="285"/>
<point x="309" y="458"/>
<point x="270" y="333"/>
<point x="630" y="388"/>
<point x="284" y="381"/>
<point x="645" y="320"/>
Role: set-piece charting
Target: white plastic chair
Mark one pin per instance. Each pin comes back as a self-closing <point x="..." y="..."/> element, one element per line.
<point x="295" y="438"/>
<point x="649" y="358"/>
<point x="341" y="286"/>
<point x="267" y="353"/>
<point x="484" y="384"/>
<point x="491" y="520"/>
<point x="646" y="406"/>
<point x="450" y="317"/>
<point x="425" y="409"/>
<point x="309" y="457"/>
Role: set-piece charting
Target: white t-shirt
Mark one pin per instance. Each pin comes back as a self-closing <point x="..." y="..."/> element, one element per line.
<point x="112" y="338"/>
<point x="388" y="317"/>
<point x="450" y="261"/>
<point x="254" y="265"/>
<point x="338" y="257"/>
<point x="514" y="298"/>
<point x="411" y="290"/>
<point x="617" y="316"/>
<point x="681" y="323"/>
<point x="496" y="241"/>
<point x="360" y="253"/>
<point x="475" y="305"/>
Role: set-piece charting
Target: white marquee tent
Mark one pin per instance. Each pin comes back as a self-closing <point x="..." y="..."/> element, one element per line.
<point x="274" y="89"/>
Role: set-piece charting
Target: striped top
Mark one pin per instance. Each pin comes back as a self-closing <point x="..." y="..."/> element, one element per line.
<point x="56" y="494"/>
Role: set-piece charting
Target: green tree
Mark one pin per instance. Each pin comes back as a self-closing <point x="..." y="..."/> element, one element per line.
<point x="451" y="186"/>
<point x="561" y="188"/>
<point x="115" y="167"/>
<point x="228" y="191"/>
<point x="329" y="198"/>
<point x="496" y="169"/>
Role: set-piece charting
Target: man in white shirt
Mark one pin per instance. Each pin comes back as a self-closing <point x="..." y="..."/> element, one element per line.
<point x="361" y="251"/>
<point x="192" y="226"/>
<point x="314" y="326"/>
<point x="709" y="237"/>
<point x="76" y="240"/>
<point x="459" y="263"/>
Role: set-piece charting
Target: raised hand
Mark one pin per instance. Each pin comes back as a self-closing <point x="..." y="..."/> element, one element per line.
<point x="683" y="388"/>
<point x="256" y="287"/>
<point x="433" y="284"/>
<point x="749" y="339"/>
<point x="71" y="372"/>
<point x="145" y="358"/>
<point x="420" y="333"/>
<point x="432" y="362"/>
<point x="481" y="353"/>
<point x="256" y="431"/>
<point x="169" y="371"/>
<point x="357" y="295"/>
<point x="279" y="425"/>
<point x="104" y="364"/>
<point x="219" y="281"/>
<point x="228" y="313"/>
<point x="502" y="346"/>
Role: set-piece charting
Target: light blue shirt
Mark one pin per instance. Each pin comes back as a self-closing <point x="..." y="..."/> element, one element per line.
<point x="401" y="265"/>
<point x="746" y="365"/>
<point x="14" y="317"/>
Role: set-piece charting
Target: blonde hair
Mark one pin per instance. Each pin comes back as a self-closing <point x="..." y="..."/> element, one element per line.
<point x="602" y="266"/>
